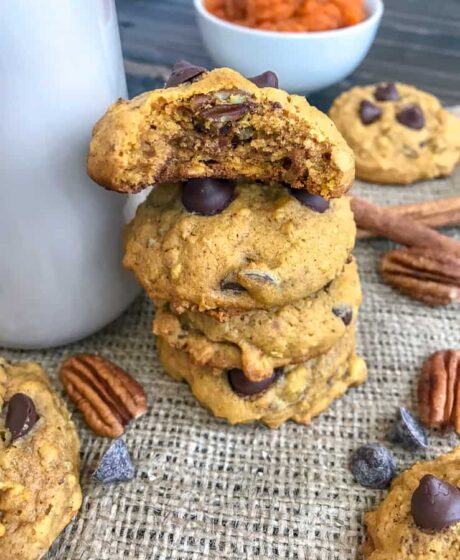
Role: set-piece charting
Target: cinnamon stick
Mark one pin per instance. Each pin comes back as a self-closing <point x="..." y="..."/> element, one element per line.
<point x="400" y="228"/>
<point x="440" y="212"/>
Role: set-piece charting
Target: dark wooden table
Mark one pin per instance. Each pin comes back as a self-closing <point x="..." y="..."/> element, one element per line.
<point x="418" y="43"/>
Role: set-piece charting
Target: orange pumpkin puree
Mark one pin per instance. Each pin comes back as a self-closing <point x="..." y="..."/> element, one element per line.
<point x="289" y="15"/>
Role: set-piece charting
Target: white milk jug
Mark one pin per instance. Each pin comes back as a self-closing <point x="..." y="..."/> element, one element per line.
<point x="60" y="235"/>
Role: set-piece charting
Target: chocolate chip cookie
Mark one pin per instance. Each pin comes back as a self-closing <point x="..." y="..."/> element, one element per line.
<point x="218" y="124"/>
<point x="39" y="463"/>
<point x="420" y="517"/>
<point x="265" y="246"/>
<point x="297" y="392"/>
<point x="260" y="341"/>
<point x="398" y="133"/>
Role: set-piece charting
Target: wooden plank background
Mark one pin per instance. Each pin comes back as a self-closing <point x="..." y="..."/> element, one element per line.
<point x="418" y="43"/>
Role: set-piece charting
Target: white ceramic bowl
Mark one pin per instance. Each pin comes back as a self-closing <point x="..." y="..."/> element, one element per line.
<point x="304" y="62"/>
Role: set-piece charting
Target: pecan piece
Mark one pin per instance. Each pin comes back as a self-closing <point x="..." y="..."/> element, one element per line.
<point x="439" y="390"/>
<point x="430" y="276"/>
<point x="107" y="396"/>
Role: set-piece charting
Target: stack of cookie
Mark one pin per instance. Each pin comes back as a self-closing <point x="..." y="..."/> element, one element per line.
<point x="245" y="243"/>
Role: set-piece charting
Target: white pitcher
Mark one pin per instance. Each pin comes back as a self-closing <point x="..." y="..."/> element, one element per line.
<point x="60" y="235"/>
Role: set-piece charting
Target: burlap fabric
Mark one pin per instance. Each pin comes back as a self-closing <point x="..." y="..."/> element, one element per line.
<point x="204" y="489"/>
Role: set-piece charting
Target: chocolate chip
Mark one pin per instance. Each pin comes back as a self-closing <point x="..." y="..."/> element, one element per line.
<point x="386" y="92"/>
<point x="411" y="116"/>
<point x="369" y="113"/>
<point x="225" y="112"/>
<point x="373" y="466"/>
<point x="182" y="72"/>
<point x="344" y="312"/>
<point x="408" y="432"/>
<point x="435" y="504"/>
<point x="247" y="388"/>
<point x="115" y="465"/>
<point x="262" y="277"/>
<point x="232" y="287"/>
<point x="312" y="201"/>
<point x="266" y="79"/>
<point x="207" y="196"/>
<point x="286" y="162"/>
<point x="225" y="129"/>
<point x="21" y="415"/>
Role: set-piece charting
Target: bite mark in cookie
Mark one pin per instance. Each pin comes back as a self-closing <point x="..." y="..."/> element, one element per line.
<point x="220" y="124"/>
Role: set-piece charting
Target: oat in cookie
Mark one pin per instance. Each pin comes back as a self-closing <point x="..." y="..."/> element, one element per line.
<point x="399" y="134"/>
<point x="297" y="392"/>
<point x="219" y="124"/>
<point x="259" y="341"/>
<point x="420" y="517"/>
<point x="265" y="249"/>
<point x="39" y="463"/>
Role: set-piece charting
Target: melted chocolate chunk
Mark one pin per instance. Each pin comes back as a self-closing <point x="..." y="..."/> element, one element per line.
<point x="369" y="113"/>
<point x="182" y="72"/>
<point x="386" y="92"/>
<point x="266" y="79"/>
<point x="312" y="201"/>
<point x="435" y="504"/>
<point x="21" y="415"/>
<point x="226" y="112"/>
<point x="263" y="277"/>
<point x="232" y="287"/>
<point x="411" y="116"/>
<point x="207" y="196"/>
<point x="344" y="312"/>
<point x="247" y="388"/>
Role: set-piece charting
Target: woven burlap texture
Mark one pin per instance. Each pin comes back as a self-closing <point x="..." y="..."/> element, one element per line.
<point x="204" y="489"/>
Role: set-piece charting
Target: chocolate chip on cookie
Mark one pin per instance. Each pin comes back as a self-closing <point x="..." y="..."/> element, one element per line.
<point x="312" y="201"/>
<point x="207" y="197"/>
<point x="232" y="287"/>
<point x="344" y="312"/>
<point x="411" y="116"/>
<point x="247" y="388"/>
<point x="386" y="92"/>
<point x="266" y="79"/>
<point x="369" y="113"/>
<point x="21" y="415"/>
<point x="183" y="72"/>
<point x="259" y="277"/>
<point x="435" y="504"/>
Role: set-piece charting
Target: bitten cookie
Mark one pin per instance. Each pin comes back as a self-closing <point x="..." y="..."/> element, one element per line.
<point x="296" y="392"/>
<point x="218" y="124"/>
<point x="260" y="341"/>
<point x="398" y="133"/>
<point x="420" y="517"/>
<point x="264" y="249"/>
<point x="39" y="463"/>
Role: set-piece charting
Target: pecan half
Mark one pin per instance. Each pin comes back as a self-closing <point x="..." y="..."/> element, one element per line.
<point x="439" y="390"/>
<point x="423" y="274"/>
<point x="107" y="396"/>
